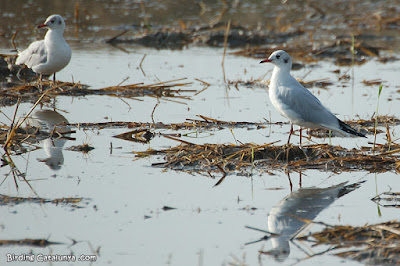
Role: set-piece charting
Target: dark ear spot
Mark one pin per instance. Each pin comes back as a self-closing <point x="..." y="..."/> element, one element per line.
<point x="59" y="22"/>
<point x="285" y="60"/>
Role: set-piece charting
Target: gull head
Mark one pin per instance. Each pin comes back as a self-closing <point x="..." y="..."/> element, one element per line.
<point x="280" y="59"/>
<point x="54" y="22"/>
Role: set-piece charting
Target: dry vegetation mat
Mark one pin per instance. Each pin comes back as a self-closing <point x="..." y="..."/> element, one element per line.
<point x="72" y="202"/>
<point x="31" y="92"/>
<point x="229" y="158"/>
<point x="372" y="244"/>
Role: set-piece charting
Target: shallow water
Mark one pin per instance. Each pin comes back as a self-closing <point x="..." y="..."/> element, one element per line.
<point x="124" y="215"/>
<point x="122" y="218"/>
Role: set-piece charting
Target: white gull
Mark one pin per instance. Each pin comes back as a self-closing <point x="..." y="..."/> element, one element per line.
<point x="50" y="55"/>
<point x="298" y="104"/>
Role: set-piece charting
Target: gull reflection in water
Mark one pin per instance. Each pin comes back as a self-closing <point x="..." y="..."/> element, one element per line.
<point x="305" y="203"/>
<point x="47" y="121"/>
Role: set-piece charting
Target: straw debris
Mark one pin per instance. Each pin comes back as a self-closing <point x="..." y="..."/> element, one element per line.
<point x="14" y="138"/>
<point x="388" y="199"/>
<point x="228" y="158"/>
<point x="373" y="244"/>
<point x="30" y="92"/>
<point x="8" y="200"/>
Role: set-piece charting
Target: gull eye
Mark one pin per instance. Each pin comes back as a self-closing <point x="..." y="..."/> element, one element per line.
<point x="278" y="56"/>
<point x="52" y="21"/>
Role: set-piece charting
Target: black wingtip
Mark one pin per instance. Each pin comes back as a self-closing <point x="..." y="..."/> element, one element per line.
<point x="349" y="188"/>
<point x="346" y="128"/>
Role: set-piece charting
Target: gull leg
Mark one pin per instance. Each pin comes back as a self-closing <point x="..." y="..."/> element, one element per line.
<point x="40" y="83"/>
<point x="301" y="130"/>
<point x="54" y="79"/>
<point x="290" y="181"/>
<point x="300" y="183"/>
<point x="301" y="146"/>
<point x="288" y="147"/>
<point x="290" y="133"/>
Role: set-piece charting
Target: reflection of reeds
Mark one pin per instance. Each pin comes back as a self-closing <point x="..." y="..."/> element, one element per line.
<point x="372" y="244"/>
<point x="28" y="242"/>
<point x="376" y="116"/>
<point x="8" y="200"/>
<point x="13" y="138"/>
<point x="226" y="36"/>
<point x="10" y="138"/>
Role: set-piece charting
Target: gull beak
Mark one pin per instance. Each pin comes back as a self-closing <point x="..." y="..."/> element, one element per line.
<point x="266" y="61"/>
<point x="41" y="26"/>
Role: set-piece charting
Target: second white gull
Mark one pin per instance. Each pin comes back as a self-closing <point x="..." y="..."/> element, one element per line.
<point x="50" y="55"/>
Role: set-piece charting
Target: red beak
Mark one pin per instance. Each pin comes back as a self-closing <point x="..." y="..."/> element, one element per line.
<point x="41" y="26"/>
<point x="265" y="61"/>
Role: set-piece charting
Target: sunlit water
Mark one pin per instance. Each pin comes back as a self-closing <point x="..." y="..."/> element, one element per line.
<point x="123" y="215"/>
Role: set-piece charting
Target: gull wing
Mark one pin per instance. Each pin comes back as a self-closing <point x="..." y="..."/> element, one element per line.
<point x="34" y="55"/>
<point x="303" y="107"/>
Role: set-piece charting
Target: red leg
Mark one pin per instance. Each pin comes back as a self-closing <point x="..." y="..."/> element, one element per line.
<point x="290" y="182"/>
<point x="290" y="133"/>
<point x="40" y="83"/>
<point x="300" y="180"/>
<point x="301" y="130"/>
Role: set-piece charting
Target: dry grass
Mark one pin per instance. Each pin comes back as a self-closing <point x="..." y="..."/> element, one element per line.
<point x="29" y="135"/>
<point x="30" y="92"/>
<point x="372" y="244"/>
<point x="7" y="200"/>
<point x="228" y="158"/>
<point x="388" y="199"/>
<point x="205" y="123"/>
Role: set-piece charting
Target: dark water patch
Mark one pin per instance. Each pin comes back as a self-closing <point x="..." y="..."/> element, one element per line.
<point x="342" y="52"/>
<point x="211" y="35"/>
<point x="28" y="242"/>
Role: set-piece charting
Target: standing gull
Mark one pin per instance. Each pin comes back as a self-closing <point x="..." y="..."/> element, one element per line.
<point x="298" y="104"/>
<point x="50" y="55"/>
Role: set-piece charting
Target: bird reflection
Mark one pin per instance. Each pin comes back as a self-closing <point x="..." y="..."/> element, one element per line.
<point x="304" y="203"/>
<point x="47" y="121"/>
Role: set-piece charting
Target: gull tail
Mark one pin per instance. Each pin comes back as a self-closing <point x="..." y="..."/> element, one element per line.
<point x="348" y="129"/>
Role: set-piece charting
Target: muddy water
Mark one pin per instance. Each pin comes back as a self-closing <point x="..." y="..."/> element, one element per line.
<point x="122" y="218"/>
